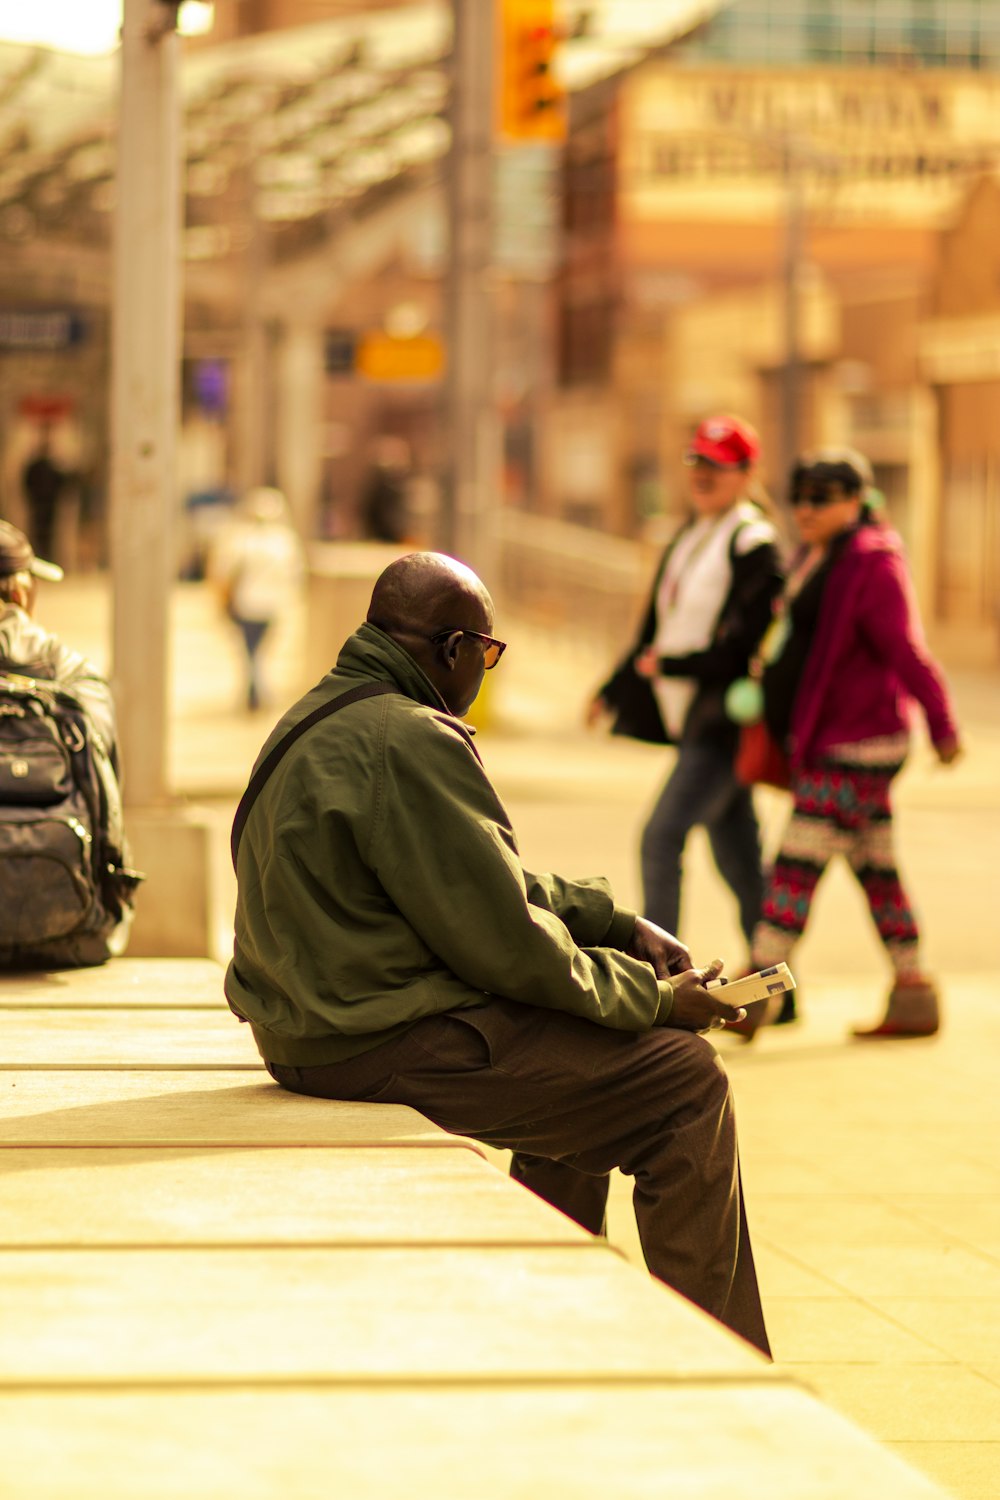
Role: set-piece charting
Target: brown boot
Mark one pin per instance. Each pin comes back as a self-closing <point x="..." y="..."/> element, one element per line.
<point x="912" y="1011"/>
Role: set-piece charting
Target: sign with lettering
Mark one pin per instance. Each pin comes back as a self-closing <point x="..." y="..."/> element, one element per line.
<point x="32" y="329"/>
<point x="873" y="145"/>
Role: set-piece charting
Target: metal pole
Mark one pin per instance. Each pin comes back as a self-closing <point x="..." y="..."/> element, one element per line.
<point x="144" y="389"/>
<point x="470" y="467"/>
<point x="254" y="458"/>
<point x="791" y="374"/>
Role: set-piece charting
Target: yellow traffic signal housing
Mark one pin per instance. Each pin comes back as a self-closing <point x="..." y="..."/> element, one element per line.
<point x="531" y="102"/>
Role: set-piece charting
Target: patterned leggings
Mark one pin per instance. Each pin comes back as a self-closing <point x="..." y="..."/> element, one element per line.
<point x="838" y="809"/>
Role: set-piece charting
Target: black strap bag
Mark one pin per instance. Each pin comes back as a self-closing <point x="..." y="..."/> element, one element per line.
<point x="268" y="764"/>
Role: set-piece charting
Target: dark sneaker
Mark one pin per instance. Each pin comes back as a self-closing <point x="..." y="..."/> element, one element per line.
<point x="788" y="1013"/>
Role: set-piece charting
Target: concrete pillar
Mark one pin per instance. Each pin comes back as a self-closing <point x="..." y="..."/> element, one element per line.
<point x="472" y="428"/>
<point x="924" y="469"/>
<point x="252" y="390"/>
<point x="145" y="349"/>
<point x="299" y="431"/>
<point x="175" y="910"/>
<point x="252" y="405"/>
<point x="792" y="371"/>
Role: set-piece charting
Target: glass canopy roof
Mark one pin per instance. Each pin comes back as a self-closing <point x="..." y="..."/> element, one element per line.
<point x="305" y="121"/>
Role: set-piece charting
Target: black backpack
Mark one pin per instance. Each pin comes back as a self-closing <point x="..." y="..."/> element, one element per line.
<point x="65" y="892"/>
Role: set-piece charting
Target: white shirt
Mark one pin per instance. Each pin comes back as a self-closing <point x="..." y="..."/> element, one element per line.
<point x="263" y="562"/>
<point x="693" y="589"/>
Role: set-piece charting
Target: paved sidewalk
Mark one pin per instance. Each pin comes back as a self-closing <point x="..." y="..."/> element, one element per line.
<point x="872" y="1175"/>
<point x="873" y="1172"/>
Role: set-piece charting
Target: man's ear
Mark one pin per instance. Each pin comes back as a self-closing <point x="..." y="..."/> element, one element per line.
<point x="449" y="649"/>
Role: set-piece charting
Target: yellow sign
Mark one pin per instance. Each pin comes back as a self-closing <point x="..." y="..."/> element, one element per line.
<point x="381" y="356"/>
<point x="530" y="100"/>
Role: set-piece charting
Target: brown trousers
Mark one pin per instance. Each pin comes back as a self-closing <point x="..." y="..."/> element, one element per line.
<point x="573" y="1100"/>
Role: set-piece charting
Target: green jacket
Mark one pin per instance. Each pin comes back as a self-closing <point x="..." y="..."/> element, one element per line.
<point x="379" y="882"/>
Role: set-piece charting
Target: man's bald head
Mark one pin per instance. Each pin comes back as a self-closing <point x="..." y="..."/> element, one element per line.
<point x="425" y="592"/>
<point x="439" y="612"/>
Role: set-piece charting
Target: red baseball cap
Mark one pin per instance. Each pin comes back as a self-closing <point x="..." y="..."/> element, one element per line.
<point x="724" y="441"/>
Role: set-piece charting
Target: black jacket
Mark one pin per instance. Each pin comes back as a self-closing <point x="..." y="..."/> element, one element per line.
<point x="746" y="612"/>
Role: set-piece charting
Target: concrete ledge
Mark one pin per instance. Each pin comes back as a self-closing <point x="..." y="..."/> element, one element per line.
<point x="139" y="1107"/>
<point x="229" y="1314"/>
<point x="199" y="1307"/>
<point x="381" y="1195"/>
<point x="583" y="1441"/>
<point x="194" y="1040"/>
<point x="131" y="982"/>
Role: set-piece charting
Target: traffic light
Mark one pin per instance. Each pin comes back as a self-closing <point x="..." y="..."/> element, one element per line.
<point x="531" y="102"/>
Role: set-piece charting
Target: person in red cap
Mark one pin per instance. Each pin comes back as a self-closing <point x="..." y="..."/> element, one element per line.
<point x="711" y="602"/>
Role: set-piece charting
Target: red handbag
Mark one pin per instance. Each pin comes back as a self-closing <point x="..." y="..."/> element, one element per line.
<point x="760" y="759"/>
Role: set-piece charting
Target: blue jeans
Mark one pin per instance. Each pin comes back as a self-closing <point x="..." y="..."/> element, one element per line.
<point x="702" y="789"/>
<point x="253" y="632"/>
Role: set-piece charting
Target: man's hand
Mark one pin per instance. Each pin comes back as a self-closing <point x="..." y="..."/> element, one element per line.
<point x="697" y="1009"/>
<point x="653" y="945"/>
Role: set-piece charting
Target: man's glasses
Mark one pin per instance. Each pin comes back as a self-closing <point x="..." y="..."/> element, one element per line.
<point x="492" y="648"/>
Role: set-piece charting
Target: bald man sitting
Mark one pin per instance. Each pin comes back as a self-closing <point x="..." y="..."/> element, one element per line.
<point x="390" y="946"/>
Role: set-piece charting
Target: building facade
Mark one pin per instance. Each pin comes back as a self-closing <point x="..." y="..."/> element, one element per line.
<point x="803" y="229"/>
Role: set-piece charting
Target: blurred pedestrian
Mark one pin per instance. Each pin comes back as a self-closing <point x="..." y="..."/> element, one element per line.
<point x="838" y="696"/>
<point x="257" y="564"/>
<point x="43" y="482"/>
<point x="711" y="602"/>
<point x="383" y="496"/>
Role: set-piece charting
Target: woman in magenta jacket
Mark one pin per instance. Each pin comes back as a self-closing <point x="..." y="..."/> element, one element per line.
<point x="838" y="695"/>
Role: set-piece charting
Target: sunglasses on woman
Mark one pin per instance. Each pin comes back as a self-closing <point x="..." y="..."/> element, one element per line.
<point x="818" y="496"/>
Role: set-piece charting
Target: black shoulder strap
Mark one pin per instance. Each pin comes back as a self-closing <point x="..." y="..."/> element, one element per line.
<point x="263" y="771"/>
